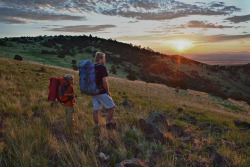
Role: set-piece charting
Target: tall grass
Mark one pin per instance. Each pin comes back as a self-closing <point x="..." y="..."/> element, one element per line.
<point x="34" y="133"/>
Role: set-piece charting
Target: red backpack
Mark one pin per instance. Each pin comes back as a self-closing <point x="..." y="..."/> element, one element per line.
<point x="57" y="89"/>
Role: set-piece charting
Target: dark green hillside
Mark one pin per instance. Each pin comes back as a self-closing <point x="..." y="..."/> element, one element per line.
<point x="132" y="62"/>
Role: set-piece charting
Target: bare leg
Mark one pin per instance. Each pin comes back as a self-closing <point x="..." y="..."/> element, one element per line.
<point x="95" y="116"/>
<point x="69" y="116"/>
<point x="111" y="113"/>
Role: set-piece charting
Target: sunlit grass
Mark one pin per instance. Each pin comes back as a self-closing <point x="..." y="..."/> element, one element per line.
<point x="35" y="133"/>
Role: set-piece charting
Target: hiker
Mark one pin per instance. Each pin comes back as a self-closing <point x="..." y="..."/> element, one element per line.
<point x="69" y="105"/>
<point x="104" y="97"/>
<point x="61" y="90"/>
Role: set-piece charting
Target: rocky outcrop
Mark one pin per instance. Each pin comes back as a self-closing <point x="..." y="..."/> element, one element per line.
<point x="242" y="124"/>
<point x="154" y="127"/>
<point x="177" y="130"/>
<point x="127" y="103"/>
<point x="132" y="163"/>
<point x="209" y="126"/>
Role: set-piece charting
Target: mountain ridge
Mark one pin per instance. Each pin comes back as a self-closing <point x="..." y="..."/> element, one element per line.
<point x="133" y="62"/>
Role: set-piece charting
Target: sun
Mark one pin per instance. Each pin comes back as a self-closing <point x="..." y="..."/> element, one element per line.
<point x="181" y="44"/>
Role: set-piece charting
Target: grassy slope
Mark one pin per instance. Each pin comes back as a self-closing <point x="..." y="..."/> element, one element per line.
<point x="223" y="77"/>
<point x="32" y="52"/>
<point x="33" y="133"/>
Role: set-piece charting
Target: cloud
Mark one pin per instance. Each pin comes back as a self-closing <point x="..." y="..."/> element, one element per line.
<point x="136" y="21"/>
<point x="202" y="24"/>
<point x="217" y="4"/>
<point x="17" y="16"/>
<point x="82" y="28"/>
<point x="12" y="21"/>
<point x="142" y="10"/>
<point x="37" y="4"/>
<point x="165" y="10"/>
<point x="222" y="37"/>
<point x="197" y="39"/>
<point x="238" y="19"/>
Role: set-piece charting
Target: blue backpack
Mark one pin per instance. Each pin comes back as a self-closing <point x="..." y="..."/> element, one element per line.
<point x="87" y="78"/>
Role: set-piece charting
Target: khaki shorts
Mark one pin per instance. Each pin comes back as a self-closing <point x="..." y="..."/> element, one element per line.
<point x="103" y="99"/>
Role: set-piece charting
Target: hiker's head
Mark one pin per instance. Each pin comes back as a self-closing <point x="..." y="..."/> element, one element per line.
<point x="69" y="78"/>
<point x="100" y="58"/>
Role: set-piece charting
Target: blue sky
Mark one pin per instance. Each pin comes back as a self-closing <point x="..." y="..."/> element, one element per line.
<point x="185" y="27"/>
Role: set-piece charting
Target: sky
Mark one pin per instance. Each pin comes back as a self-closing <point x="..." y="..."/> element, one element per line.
<point x="184" y="27"/>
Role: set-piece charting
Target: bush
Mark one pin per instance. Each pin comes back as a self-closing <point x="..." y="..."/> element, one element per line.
<point x="73" y="61"/>
<point x="43" y="69"/>
<point x="73" y="52"/>
<point x="61" y="55"/>
<point x="75" y="67"/>
<point x="17" y="57"/>
<point x="88" y="50"/>
<point x="237" y="96"/>
<point x="248" y="101"/>
<point x="2" y="43"/>
<point x="131" y="76"/>
<point x="113" y="69"/>
<point x="48" y="52"/>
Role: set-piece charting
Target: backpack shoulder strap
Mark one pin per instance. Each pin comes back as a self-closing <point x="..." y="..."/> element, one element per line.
<point x="97" y="64"/>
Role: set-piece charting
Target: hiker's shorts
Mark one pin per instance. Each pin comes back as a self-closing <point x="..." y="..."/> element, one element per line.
<point x="103" y="99"/>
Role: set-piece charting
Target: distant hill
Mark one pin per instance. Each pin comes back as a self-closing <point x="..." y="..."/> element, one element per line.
<point x="229" y="59"/>
<point x="132" y="62"/>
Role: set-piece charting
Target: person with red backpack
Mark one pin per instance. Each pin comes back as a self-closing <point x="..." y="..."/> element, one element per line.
<point x="62" y="90"/>
<point x="69" y="105"/>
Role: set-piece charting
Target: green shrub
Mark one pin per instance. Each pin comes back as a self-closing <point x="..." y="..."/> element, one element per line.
<point x="113" y="69"/>
<point x="17" y="57"/>
<point x="131" y="76"/>
<point x="73" y="61"/>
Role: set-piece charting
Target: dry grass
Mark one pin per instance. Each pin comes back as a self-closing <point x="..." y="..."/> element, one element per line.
<point x="34" y="134"/>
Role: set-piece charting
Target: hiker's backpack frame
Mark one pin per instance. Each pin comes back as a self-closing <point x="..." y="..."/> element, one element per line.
<point x="57" y="89"/>
<point x="87" y="78"/>
<point x="62" y="86"/>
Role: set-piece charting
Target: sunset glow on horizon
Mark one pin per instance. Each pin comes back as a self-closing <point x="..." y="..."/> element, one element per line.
<point x="181" y="44"/>
<point x="185" y="27"/>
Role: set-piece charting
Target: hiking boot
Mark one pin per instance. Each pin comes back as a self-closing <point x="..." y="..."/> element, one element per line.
<point x="111" y="126"/>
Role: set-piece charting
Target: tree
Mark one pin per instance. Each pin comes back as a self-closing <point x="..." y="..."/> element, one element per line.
<point x="131" y="76"/>
<point x="61" y="55"/>
<point x="113" y="69"/>
<point x="75" y="67"/>
<point x="73" y="61"/>
<point x="88" y="50"/>
<point x="73" y="52"/>
<point x="2" y="43"/>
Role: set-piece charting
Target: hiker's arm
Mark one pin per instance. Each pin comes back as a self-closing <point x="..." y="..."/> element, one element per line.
<point x="69" y="94"/>
<point x="105" y="84"/>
